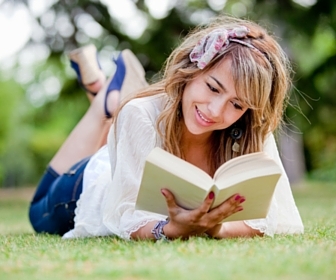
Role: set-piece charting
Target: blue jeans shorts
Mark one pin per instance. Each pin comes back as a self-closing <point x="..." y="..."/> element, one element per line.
<point x="52" y="209"/>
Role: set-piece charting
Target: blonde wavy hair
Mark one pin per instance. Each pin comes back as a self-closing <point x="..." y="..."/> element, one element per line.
<point x="262" y="80"/>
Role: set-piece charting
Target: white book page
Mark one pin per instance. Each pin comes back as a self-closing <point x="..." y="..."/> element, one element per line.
<point x="236" y="163"/>
<point x="247" y="170"/>
<point x="151" y="199"/>
<point x="180" y="168"/>
<point x="258" y="193"/>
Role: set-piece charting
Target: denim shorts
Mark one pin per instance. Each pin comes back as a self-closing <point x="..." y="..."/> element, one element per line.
<point x="52" y="209"/>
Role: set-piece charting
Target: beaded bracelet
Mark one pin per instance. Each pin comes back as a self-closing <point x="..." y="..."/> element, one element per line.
<point x="158" y="230"/>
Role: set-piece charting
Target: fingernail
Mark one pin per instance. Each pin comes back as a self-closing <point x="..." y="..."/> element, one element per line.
<point x="163" y="193"/>
<point x="237" y="197"/>
<point x="242" y="200"/>
<point x="241" y="209"/>
<point x="211" y="195"/>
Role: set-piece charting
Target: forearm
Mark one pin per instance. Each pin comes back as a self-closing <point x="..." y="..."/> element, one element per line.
<point x="144" y="232"/>
<point x="232" y="230"/>
<point x="225" y="230"/>
<point x="169" y="230"/>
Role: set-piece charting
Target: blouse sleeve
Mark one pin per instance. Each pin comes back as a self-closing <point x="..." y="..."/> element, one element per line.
<point x="134" y="139"/>
<point x="283" y="216"/>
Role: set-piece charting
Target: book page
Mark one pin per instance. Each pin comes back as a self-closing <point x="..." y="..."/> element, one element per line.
<point x="245" y="167"/>
<point x="254" y="176"/>
<point x="258" y="192"/>
<point x="180" y="168"/>
<point x="189" y="184"/>
<point x="235" y="163"/>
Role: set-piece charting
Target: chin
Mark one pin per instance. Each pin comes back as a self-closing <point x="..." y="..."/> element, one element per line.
<point x="198" y="131"/>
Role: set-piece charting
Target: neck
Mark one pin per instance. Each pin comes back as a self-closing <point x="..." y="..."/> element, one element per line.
<point x="196" y="149"/>
<point x="195" y="141"/>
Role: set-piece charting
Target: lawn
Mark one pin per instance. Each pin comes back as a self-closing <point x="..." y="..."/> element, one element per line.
<point x="25" y="255"/>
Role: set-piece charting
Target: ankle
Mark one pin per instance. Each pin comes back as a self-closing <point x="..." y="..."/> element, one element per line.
<point x="97" y="85"/>
<point x="99" y="104"/>
<point x="113" y="101"/>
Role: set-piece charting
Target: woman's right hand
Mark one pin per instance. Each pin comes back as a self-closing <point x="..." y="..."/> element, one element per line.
<point x="186" y="223"/>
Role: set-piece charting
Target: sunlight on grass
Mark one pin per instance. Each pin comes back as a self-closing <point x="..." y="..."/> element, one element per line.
<point x="24" y="255"/>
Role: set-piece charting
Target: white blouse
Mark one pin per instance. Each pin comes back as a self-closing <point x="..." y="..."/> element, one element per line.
<point x="107" y="203"/>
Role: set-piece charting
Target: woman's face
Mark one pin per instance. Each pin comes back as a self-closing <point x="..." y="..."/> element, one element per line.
<point x="210" y="101"/>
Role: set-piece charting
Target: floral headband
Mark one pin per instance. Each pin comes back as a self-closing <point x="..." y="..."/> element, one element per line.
<point x="215" y="42"/>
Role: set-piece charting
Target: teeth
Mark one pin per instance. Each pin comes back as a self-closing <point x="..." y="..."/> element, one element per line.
<point x="199" y="113"/>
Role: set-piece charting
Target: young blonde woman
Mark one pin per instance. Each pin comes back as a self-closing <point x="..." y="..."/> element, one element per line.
<point x="222" y="95"/>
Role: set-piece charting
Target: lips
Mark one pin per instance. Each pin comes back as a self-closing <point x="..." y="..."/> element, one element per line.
<point x="203" y="117"/>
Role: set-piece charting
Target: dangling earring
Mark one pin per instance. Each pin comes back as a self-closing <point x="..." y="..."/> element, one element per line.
<point x="236" y="133"/>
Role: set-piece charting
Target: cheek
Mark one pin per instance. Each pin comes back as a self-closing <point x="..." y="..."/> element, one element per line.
<point x="232" y="115"/>
<point x="185" y="103"/>
<point x="190" y="97"/>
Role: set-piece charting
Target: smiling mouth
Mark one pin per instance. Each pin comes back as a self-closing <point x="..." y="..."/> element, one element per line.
<point x="202" y="117"/>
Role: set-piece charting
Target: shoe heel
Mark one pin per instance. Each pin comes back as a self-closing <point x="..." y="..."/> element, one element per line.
<point x="129" y="77"/>
<point x="135" y="75"/>
<point x="86" y="65"/>
<point x="116" y="82"/>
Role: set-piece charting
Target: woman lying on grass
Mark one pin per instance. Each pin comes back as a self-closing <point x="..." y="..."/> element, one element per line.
<point x="228" y="75"/>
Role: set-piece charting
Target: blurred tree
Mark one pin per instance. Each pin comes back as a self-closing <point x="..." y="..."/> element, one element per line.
<point x="306" y="26"/>
<point x="309" y="29"/>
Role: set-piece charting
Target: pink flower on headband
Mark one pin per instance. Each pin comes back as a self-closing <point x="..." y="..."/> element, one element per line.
<point x="215" y="42"/>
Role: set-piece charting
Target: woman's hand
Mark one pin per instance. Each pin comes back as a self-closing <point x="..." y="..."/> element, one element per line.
<point x="186" y="223"/>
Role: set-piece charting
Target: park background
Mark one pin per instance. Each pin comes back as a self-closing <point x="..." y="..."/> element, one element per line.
<point x="41" y="100"/>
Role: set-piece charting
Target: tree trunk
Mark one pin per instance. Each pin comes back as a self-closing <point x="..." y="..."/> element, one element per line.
<point x="292" y="156"/>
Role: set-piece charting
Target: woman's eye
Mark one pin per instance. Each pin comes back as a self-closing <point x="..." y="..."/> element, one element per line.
<point x="212" y="88"/>
<point x="237" y="106"/>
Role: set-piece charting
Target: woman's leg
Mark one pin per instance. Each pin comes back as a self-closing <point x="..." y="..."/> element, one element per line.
<point x="52" y="208"/>
<point x="85" y="62"/>
<point x="91" y="131"/>
<point x="87" y="136"/>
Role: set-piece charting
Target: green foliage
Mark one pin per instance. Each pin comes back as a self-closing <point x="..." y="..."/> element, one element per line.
<point x="327" y="173"/>
<point x="34" y="128"/>
<point x="15" y="161"/>
<point x="55" y="121"/>
<point x="307" y="256"/>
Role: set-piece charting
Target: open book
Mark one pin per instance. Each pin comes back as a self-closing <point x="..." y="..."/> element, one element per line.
<point x="254" y="176"/>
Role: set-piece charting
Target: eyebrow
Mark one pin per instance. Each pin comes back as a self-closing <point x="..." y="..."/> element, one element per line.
<point x="219" y="83"/>
<point x="224" y="88"/>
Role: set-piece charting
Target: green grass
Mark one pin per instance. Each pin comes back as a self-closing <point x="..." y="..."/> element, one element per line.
<point x="25" y="255"/>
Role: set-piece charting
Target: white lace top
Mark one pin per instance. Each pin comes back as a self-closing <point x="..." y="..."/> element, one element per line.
<point x="107" y="203"/>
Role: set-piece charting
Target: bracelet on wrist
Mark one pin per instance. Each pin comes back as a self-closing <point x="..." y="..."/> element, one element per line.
<point x="157" y="231"/>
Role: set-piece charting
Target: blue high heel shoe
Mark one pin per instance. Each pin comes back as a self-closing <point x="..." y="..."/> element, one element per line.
<point x="85" y="62"/>
<point x="129" y="77"/>
<point x="116" y="82"/>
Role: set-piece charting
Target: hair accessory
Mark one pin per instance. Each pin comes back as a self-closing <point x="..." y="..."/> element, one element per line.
<point x="157" y="231"/>
<point x="236" y="133"/>
<point x="215" y="42"/>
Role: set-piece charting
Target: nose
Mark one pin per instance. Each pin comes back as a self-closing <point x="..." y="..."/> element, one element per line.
<point x="217" y="107"/>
